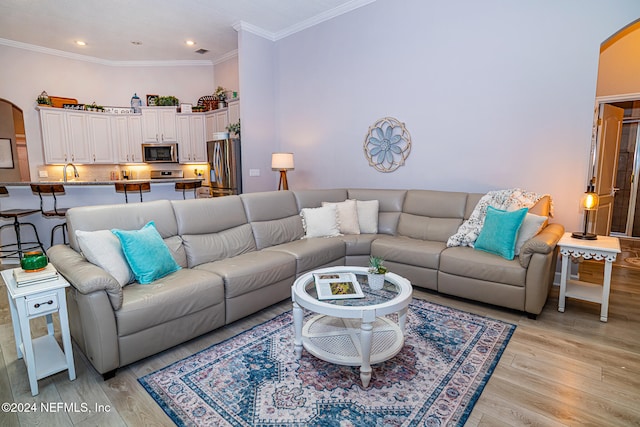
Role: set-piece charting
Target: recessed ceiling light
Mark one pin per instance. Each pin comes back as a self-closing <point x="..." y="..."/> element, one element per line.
<point x="190" y="43"/>
<point x="81" y="43"/>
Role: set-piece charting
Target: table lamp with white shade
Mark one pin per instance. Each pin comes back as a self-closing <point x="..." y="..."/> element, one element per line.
<point x="282" y="162"/>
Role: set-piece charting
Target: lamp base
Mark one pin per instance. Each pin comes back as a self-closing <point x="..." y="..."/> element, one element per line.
<point x="584" y="236"/>
<point x="283" y="184"/>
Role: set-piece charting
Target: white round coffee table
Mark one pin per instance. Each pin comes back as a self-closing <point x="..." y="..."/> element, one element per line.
<point x="355" y="331"/>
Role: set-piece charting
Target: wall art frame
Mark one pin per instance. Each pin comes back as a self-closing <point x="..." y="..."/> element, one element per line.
<point x="387" y="144"/>
<point x="6" y="154"/>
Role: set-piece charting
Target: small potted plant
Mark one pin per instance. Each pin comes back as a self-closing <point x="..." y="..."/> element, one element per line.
<point x="234" y="128"/>
<point x="167" y="101"/>
<point x="43" y="99"/>
<point x="221" y="96"/>
<point x="376" y="272"/>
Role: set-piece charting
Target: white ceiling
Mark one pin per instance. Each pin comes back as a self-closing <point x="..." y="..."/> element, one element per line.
<point x="162" y="26"/>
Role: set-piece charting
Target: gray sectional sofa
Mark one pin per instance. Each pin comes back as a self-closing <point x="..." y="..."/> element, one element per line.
<point x="241" y="254"/>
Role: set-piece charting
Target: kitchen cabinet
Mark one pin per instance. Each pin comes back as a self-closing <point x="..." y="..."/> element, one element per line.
<point x="100" y="138"/>
<point x="54" y="135"/>
<point x="218" y="120"/>
<point x="234" y="111"/>
<point x="192" y="143"/>
<point x="127" y="133"/>
<point x="222" y="120"/>
<point x="65" y="136"/>
<point x="159" y="124"/>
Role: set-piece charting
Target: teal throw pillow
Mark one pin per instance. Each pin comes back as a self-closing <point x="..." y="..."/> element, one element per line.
<point x="147" y="254"/>
<point x="500" y="231"/>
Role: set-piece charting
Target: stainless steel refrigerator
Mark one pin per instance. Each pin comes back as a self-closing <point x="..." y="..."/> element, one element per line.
<point x="225" y="171"/>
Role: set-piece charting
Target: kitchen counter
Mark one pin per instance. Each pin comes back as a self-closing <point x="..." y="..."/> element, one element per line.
<point x="96" y="182"/>
<point x="78" y="193"/>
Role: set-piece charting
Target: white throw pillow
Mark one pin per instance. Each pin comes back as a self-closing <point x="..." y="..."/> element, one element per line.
<point x="368" y="215"/>
<point x="531" y="226"/>
<point x="347" y="216"/>
<point x="320" y="222"/>
<point x="103" y="249"/>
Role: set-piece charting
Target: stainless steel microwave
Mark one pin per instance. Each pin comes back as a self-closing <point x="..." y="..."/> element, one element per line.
<point x="160" y="153"/>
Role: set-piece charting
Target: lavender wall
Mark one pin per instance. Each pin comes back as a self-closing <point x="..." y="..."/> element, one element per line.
<point x="257" y="74"/>
<point x="496" y="94"/>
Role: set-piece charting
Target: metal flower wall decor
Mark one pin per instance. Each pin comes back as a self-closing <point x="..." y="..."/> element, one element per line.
<point x="387" y="144"/>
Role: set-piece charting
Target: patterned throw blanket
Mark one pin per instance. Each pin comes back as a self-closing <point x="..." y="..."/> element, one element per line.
<point x="511" y="199"/>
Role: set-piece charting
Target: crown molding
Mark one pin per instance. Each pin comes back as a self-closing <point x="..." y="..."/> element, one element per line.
<point x="324" y="16"/>
<point x="227" y="56"/>
<point x="254" y="29"/>
<point x="106" y="62"/>
<point x="307" y="23"/>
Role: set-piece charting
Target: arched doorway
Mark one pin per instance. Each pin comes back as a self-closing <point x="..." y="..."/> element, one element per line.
<point x="619" y="89"/>
<point x="14" y="161"/>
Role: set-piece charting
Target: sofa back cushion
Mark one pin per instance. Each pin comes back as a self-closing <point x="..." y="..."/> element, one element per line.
<point x="472" y="201"/>
<point x="314" y="198"/>
<point x="213" y="229"/>
<point x="389" y="208"/>
<point x="132" y="216"/>
<point x="274" y="217"/>
<point x="203" y="216"/>
<point x="209" y="247"/>
<point x="432" y="215"/>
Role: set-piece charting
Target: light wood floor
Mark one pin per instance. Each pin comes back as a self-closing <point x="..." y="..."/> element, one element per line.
<point x="563" y="369"/>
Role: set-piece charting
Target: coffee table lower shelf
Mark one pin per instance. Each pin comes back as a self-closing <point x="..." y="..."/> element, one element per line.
<point x="338" y="341"/>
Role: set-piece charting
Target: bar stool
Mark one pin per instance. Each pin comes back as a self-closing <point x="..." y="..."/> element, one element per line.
<point x="130" y="187"/>
<point x="53" y="190"/>
<point x="184" y="186"/>
<point x="19" y="245"/>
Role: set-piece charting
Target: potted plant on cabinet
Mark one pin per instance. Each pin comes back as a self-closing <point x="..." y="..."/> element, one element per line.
<point x="234" y="128"/>
<point x="376" y="272"/>
<point x="221" y="96"/>
<point x="167" y="101"/>
<point x="43" y="99"/>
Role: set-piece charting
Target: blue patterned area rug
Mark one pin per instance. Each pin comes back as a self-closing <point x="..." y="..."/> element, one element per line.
<point x="253" y="379"/>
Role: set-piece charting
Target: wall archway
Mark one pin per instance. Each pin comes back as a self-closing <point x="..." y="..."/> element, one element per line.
<point x="12" y="128"/>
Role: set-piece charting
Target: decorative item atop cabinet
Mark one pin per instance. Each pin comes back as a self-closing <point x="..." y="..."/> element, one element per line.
<point x="43" y="99"/>
<point x="208" y="102"/>
<point x="168" y="101"/>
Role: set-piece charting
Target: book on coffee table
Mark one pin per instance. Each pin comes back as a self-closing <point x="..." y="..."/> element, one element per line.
<point x="24" y="278"/>
<point x="337" y="286"/>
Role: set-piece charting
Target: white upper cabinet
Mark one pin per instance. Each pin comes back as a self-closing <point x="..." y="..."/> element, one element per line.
<point x="159" y="124"/>
<point x="192" y="143"/>
<point x="54" y="135"/>
<point x="127" y="137"/>
<point x="234" y="112"/>
<point x="100" y="138"/>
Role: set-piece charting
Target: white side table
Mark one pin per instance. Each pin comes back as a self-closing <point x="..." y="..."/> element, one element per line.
<point x="604" y="248"/>
<point x="43" y="356"/>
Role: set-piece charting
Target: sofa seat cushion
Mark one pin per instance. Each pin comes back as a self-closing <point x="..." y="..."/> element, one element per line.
<point x="252" y="271"/>
<point x="312" y="253"/>
<point x="406" y="250"/>
<point x="358" y="244"/>
<point x="179" y="294"/>
<point x="467" y="262"/>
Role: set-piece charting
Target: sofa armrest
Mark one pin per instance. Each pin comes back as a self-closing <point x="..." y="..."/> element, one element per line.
<point x="83" y="275"/>
<point x="542" y="243"/>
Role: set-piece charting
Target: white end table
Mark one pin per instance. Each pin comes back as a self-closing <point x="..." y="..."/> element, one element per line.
<point x="352" y="332"/>
<point x="604" y="248"/>
<point x="42" y="355"/>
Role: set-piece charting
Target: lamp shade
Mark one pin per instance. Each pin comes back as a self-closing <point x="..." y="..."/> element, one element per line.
<point x="282" y="161"/>
<point x="589" y="201"/>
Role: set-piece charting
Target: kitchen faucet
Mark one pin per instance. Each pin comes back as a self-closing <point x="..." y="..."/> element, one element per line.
<point x="64" y="171"/>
